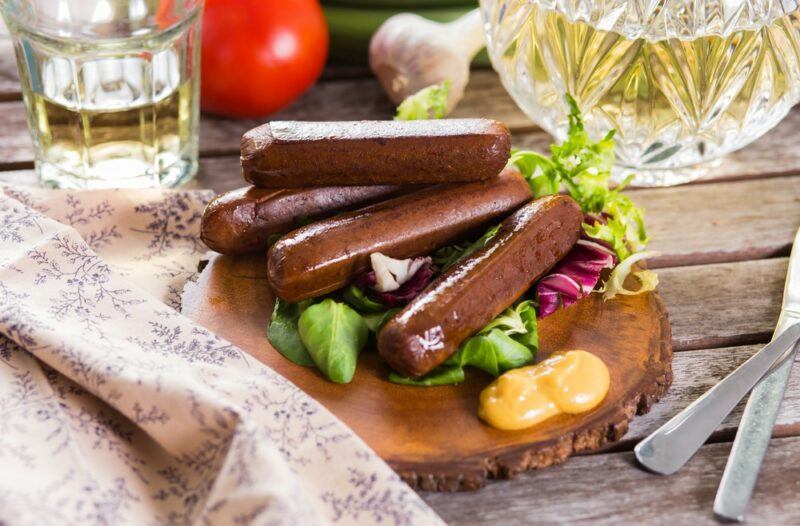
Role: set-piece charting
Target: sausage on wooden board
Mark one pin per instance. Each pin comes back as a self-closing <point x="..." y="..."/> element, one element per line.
<point x="246" y="219"/>
<point x="327" y="255"/>
<point x="471" y="293"/>
<point x="291" y="154"/>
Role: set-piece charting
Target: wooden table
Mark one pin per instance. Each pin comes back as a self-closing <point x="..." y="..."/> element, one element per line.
<point x="723" y="245"/>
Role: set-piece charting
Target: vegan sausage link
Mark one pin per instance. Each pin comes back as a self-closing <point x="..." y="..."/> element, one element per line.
<point x="243" y="220"/>
<point x="470" y="294"/>
<point x="291" y="154"/>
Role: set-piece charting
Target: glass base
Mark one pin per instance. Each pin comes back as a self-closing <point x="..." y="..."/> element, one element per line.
<point x="664" y="177"/>
<point x="118" y="175"/>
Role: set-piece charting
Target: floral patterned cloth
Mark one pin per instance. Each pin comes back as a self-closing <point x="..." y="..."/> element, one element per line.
<point x="115" y="409"/>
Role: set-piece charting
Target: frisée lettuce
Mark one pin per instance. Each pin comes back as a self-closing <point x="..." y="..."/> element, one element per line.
<point x="583" y="168"/>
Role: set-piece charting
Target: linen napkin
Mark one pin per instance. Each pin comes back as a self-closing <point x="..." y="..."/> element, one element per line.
<point x="116" y="409"/>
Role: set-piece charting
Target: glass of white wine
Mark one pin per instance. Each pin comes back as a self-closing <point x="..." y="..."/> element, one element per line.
<point x="110" y="88"/>
<point x="683" y="82"/>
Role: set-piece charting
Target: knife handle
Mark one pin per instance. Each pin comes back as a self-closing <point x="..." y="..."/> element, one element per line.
<point x="667" y="449"/>
<point x="751" y="442"/>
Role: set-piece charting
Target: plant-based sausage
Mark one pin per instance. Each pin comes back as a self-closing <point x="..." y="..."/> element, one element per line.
<point x="474" y="291"/>
<point x="244" y="220"/>
<point x="325" y="256"/>
<point x="291" y="154"/>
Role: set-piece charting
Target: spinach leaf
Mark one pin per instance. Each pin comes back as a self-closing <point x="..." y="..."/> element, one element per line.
<point x="442" y="375"/>
<point x="334" y="334"/>
<point x="358" y="299"/>
<point x="282" y="332"/>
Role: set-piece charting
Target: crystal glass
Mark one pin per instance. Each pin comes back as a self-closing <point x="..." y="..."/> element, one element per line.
<point x="682" y="81"/>
<point x="110" y="88"/>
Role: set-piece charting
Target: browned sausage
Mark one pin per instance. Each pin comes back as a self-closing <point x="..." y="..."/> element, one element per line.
<point x="290" y="154"/>
<point x="244" y="220"/>
<point x="327" y="255"/>
<point x="470" y="294"/>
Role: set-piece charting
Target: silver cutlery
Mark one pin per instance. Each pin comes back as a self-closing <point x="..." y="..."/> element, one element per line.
<point x="755" y="429"/>
<point x="668" y="448"/>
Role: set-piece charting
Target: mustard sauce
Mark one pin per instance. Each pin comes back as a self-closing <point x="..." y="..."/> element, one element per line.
<point x="571" y="382"/>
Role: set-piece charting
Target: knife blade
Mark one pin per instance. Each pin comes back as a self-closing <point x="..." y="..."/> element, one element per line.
<point x="755" y="428"/>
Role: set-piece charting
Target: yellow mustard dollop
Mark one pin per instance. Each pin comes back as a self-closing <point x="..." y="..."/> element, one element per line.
<point x="570" y="382"/>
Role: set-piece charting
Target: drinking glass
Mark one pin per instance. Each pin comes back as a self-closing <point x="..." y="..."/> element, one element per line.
<point x="683" y="82"/>
<point x="111" y="89"/>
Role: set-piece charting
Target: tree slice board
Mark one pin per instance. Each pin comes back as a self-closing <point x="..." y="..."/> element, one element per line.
<point x="431" y="435"/>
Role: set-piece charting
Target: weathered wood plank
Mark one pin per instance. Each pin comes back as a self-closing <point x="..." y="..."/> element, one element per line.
<point x="609" y="490"/>
<point x="342" y="70"/>
<point x="16" y="148"/>
<point x="695" y="372"/>
<point x="722" y="222"/>
<point x="723" y="304"/>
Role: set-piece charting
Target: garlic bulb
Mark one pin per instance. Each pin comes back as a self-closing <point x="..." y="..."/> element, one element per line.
<point x="409" y="53"/>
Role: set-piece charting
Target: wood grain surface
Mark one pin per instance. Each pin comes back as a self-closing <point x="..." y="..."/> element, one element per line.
<point x="610" y="490"/>
<point x="719" y="239"/>
<point x="432" y="437"/>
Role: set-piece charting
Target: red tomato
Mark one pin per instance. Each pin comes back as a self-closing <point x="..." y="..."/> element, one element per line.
<point x="260" y="55"/>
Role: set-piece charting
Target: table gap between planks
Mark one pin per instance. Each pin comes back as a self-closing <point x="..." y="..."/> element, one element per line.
<point x="723" y="243"/>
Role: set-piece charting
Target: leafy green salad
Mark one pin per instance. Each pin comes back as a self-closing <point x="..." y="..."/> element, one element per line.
<point x="330" y="332"/>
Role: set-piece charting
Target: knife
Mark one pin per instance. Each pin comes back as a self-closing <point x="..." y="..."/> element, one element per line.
<point x="670" y="446"/>
<point x="755" y="429"/>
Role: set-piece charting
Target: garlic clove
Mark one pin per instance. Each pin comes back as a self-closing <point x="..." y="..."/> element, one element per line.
<point x="409" y="53"/>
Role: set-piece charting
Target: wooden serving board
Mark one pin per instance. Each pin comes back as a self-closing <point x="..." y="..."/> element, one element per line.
<point x="432" y="436"/>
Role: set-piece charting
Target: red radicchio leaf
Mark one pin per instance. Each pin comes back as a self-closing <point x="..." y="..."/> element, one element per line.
<point x="574" y="277"/>
<point x="407" y="291"/>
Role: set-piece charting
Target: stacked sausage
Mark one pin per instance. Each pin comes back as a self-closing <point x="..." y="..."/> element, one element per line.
<point x="404" y="189"/>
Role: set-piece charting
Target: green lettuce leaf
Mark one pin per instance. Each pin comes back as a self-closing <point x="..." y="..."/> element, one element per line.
<point x="448" y="256"/>
<point x="283" y="333"/>
<point x="442" y="375"/>
<point x="583" y="168"/>
<point x="615" y="284"/>
<point x="427" y="103"/>
<point x="376" y="320"/>
<point x="358" y="299"/>
<point x="334" y="334"/>
<point x="541" y="173"/>
<point x="494" y="352"/>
